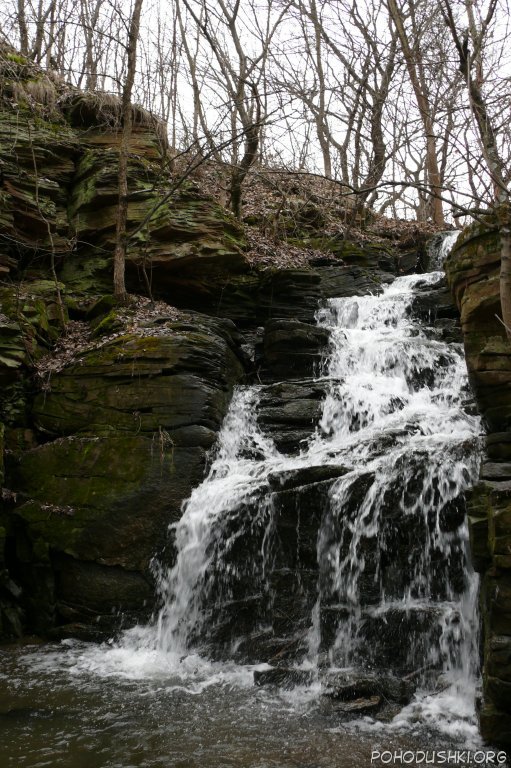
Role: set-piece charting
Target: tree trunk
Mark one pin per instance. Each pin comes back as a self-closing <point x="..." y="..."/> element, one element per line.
<point x="127" y="122"/>
<point x="239" y="171"/>
<point x="434" y="178"/>
<point x="22" y="26"/>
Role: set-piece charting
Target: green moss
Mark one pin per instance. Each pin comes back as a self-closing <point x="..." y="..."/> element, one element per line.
<point x="88" y="274"/>
<point x="17" y="58"/>
<point x="110" y="323"/>
<point x="74" y="482"/>
<point x="33" y="308"/>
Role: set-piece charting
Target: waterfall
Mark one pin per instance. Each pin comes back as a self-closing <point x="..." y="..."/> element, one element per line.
<point x="394" y="566"/>
<point x="211" y="524"/>
<point x="438" y="248"/>
<point x="344" y="556"/>
<point x="394" y="589"/>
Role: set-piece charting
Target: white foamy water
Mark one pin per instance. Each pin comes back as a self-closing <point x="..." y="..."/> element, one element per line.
<point x="440" y="248"/>
<point x="394" y="417"/>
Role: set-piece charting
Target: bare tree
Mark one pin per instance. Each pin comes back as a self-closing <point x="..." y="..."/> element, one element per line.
<point x="469" y="45"/>
<point x="239" y="75"/>
<point x="305" y="84"/>
<point x="127" y="121"/>
<point x="416" y="72"/>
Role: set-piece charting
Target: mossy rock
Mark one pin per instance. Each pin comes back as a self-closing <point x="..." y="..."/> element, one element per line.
<point x="102" y="306"/>
<point x="33" y="320"/>
<point x="104" y="499"/>
<point x="186" y="232"/>
<point x="109" y="323"/>
<point x="135" y="385"/>
<point x="37" y="158"/>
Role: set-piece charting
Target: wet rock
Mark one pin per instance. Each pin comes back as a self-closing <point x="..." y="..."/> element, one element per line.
<point x="350" y="687"/>
<point x="88" y="632"/>
<point x="435" y="308"/>
<point x="351" y="281"/>
<point x="294" y="478"/>
<point x="283" y="677"/>
<point x="298" y="515"/>
<point x="494" y="724"/>
<point x="434" y="305"/>
<point x="293" y="412"/>
<point x="362" y="706"/>
<point x="495" y="471"/>
<point x="391" y="640"/>
<point x="289" y="413"/>
<point x="91" y="591"/>
<point x="293" y="594"/>
<point x="293" y="349"/>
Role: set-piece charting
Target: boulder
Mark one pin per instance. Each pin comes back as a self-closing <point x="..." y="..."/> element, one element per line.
<point x="283" y="677"/>
<point x="296" y="478"/>
<point x="354" y="686"/>
<point x="139" y="384"/>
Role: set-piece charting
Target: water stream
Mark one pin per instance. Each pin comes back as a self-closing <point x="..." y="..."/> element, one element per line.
<point x="391" y="591"/>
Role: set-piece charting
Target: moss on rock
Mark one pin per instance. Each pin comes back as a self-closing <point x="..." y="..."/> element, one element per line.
<point x="473" y="274"/>
<point x="105" y="499"/>
<point x="141" y="384"/>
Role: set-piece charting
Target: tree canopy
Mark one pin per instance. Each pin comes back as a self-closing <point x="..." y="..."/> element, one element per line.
<point x="370" y="94"/>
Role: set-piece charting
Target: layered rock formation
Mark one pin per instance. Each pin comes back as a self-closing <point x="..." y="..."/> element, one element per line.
<point x="101" y="445"/>
<point x="128" y="429"/>
<point x="473" y="273"/>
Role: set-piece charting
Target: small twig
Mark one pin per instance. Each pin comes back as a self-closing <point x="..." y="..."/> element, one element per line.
<point x="507" y="328"/>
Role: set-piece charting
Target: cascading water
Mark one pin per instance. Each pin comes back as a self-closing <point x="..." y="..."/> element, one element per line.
<point x="394" y="591"/>
<point x="211" y="524"/>
<point x="439" y="248"/>
<point x="395" y="415"/>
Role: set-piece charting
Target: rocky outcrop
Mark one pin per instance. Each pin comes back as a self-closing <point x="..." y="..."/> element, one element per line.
<point x="287" y="293"/>
<point x="126" y="429"/>
<point x="59" y="152"/>
<point x="473" y="274"/>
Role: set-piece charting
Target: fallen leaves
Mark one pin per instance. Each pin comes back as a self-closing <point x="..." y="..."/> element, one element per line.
<point x="140" y="318"/>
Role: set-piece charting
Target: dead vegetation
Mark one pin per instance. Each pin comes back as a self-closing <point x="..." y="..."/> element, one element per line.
<point x="24" y="84"/>
<point x="141" y="317"/>
<point x="292" y="218"/>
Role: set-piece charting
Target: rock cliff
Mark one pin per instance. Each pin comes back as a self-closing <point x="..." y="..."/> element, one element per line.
<point x="107" y="413"/>
<point x="473" y="274"/>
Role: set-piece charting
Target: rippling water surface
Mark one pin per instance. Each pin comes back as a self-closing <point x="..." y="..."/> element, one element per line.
<point x="76" y="705"/>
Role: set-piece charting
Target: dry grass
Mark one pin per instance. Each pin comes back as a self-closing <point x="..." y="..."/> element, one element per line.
<point x="24" y="83"/>
<point x="104" y="110"/>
